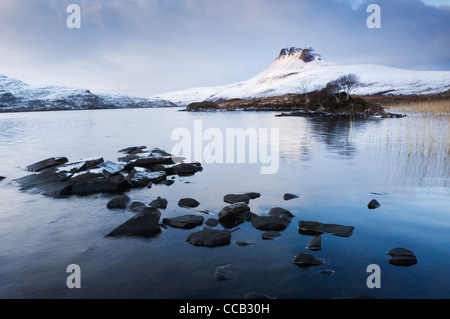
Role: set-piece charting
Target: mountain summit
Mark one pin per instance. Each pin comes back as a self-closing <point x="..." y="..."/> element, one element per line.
<point x="306" y="55"/>
<point x="297" y="71"/>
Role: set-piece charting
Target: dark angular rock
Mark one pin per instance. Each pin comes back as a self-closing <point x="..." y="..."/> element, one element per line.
<point x="271" y="234"/>
<point x="210" y="238"/>
<point x="181" y="169"/>
<point x="2" y="178"/>
<point x="373" y="204"/>
<point x="185" y="222"/>
<point x="339" y="230"/>
<point x="289" y="196"/>
<point x="145" y="223"/>
<point x="159" y="203"/>
<point x="402" y="257"/>
<point x="211" y="222"/>
<point x="188" y="202"/>
<point x="233" y="211"/>
<point x="304" y="259"/>
<point x="136" y="206"/>
<point x="278" y="211"/>
<point x="118" y="202"/>
<point x="315" y="243"/>
<point x="236" y="198"/>
<point x="266" y="223"/>
<point x="111" y="184"/>
<point x="253" y="195"/>
<point x="49" y="162"/>
<point x="311" y="228"/>
<point x="141" y="178"/>
<point x="225" y="272"/>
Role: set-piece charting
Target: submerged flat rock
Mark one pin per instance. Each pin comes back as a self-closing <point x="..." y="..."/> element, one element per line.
<point x="210" y="238"/>
<point x="185" y="221"/>
<point x="402" y="257"/>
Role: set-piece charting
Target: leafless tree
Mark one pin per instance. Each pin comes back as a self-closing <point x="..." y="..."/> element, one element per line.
<point x="348" y="83"/>
<point x="334" y="88"/>
<point x="304" y="85"/>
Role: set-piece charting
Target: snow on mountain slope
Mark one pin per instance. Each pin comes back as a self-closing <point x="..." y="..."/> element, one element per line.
<point x="16" y="95"/>
<point x="301" y="70"/>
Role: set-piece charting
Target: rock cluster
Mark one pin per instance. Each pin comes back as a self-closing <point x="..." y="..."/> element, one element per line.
<point x="140" y="167"/>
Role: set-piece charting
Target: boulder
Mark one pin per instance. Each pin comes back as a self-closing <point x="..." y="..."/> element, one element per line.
<point x="210" y="238"/>
<point x="310" y="228"/>
<point x="271" y="234"/>
<point x="289" y="196"/>
<point x="118" y="202"/>
<point x="339" y="230"/>
<point x="136" y="206"/>
<point x="253" y="195"/>
<point x="313" y="228"/>
<point x="373" y="204"/>
<point x="236" y="198"/>
<point x="233" y="211"/>
<point x="110" y="184"/>
<point x="142" y="178"/>
<point x="278" y="220"/>
<point x="49" y="162"/>
<point x="315" y="243"/>
<point x="278" y="211"/>
<point x="188" y="202"/>
<point x="159" y="203"/>
<point x="211" y="222"/>
<point x="402" y="257"/>
<point x="267" y="223"/>
<point x="145" y="223"/>
<point x="304" y="259"/>
<point x="225" y="272"/>
<point x="185" y="222"/>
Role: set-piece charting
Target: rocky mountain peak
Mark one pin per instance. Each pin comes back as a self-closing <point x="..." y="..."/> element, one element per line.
<point x="306" y="55"/>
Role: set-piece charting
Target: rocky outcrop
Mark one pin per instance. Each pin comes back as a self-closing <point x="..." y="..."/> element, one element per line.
<point x="141" y="167"/>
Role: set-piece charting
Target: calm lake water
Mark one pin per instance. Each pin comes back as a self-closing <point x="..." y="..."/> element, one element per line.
<point x="336" y="168"/>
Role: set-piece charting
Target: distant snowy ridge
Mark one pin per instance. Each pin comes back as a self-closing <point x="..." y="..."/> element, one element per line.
<point x="16" y="95"/>
<point x="300" y="70"/>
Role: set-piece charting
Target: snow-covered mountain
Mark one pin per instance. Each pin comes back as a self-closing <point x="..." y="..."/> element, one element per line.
<point x="16" y="95"/>
<point x="301" y="70"/>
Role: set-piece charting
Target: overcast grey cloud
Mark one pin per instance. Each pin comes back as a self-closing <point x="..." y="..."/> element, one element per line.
<point x="149" y="47"/>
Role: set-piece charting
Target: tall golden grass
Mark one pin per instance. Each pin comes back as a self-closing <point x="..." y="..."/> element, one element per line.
<point x="424" y="107"/>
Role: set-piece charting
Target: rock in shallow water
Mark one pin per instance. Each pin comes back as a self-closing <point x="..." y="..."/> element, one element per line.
<point x="304" y="259"/>
<point x="373" y="204"/>
<point x="145" y="223"/>
<point x="225" y="272"/>
<point x="289" y="196"/>
<point x="185" y="222"/>
<point x="118" y="202"/>
<point x="159" y="203"/>
<point x="188" y="202"/>
<point x="402" y="257"/>
<point x="210" y="238"/>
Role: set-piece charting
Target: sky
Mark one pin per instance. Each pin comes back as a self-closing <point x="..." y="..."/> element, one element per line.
<point x="149" y="47"/>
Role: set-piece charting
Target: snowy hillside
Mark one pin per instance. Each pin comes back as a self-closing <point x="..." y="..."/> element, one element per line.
<point x="300" y="70"/>
<point x="16" y="95"/>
